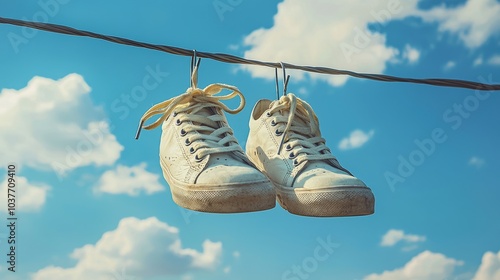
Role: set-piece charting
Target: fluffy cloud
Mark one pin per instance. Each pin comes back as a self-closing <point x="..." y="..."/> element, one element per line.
<point x="489" y="268"/>
<point x="129" y="180"/>
<point x="449" y="65"/>
<point x="478" y="61"/>
<point x="303" y="91"/>
<point x="347" y="35"/>
<point x="394" y="236"/>
<point x="30" y="197"/>
<point x="411" y="54"/>
<point x="312" y="35"/>
<point x="476" y="162"/>
<point x="356" y="139"/>
<point x="474" y="22"/>
<point x="145" y="248"/>
<point x="426" y="265"/>
<point x="55" y="125"/>
<point x="494" y="60"/>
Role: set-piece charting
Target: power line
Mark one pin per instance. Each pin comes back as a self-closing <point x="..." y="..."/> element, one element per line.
<point x="240" y="60"/>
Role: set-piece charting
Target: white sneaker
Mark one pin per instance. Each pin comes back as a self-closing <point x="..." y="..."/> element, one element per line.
<point x="203" y="163"/>
<point x="285" y="143"/>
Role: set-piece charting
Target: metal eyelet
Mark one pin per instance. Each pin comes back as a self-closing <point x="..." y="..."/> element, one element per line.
<point x="291" y="155"/>
<point x="198" y="159"/>
<point x="278" y="133"/>
<point x="273" y="123"/>
<point x="187" y="142"/>
<point x="191" y="150"/>
<point x="174" y="114"/>
<point x="183" y="132"/>
<point x="268" y="114"/>
<point x="295" y="162"/>
<point x="288" y="147"/>
<point x="178" y="122"/>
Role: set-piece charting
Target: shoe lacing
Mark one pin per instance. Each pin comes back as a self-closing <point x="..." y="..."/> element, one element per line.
<point x="300" y="129"/>
<point x="203" y="124"/>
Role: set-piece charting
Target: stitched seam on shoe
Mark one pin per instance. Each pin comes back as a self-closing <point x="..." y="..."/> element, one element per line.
<point x="270" y="132"/>
<point x="287" y="174"/>
<point x="262" y="122"/>
<point x="289" y="167"/>
<point x="185" y="155"/>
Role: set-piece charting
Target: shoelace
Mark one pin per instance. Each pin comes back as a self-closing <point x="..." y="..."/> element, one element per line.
<point x="210" y="136"/>
<point x="302" y="137"/>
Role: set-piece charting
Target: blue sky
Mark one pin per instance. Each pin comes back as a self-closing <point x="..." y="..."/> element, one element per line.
<point x="93" y="203"/>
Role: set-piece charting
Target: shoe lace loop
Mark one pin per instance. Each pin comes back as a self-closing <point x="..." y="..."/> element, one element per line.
<point x="302" y="136"/>
<point x="191" y="98"/>
<point x="212" y="133"/>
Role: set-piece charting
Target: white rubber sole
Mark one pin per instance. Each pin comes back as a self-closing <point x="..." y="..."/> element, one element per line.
<point x="324" y="202"/>
<point x="235" y="198"/>
<point x="327" y="202"/>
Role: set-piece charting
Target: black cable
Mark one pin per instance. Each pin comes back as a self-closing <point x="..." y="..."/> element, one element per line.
<point x="239" y="60"/>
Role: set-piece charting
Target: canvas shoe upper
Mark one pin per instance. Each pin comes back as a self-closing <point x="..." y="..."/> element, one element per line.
<point x="203" y="163"/>
<point x="285" y="143"/>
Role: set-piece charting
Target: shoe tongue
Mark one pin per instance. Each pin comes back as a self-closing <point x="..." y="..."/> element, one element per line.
<point x="298" y="120"/>
<point x="210" y="111"/>
<point x="206" y="112"/>
<point x="203" y="111"/>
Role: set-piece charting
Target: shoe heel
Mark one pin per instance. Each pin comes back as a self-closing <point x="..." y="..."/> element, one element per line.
<point x="334" y="203"/>
<point x="252" y="198"/>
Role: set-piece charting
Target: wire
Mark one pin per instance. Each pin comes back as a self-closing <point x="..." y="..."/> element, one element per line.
<point x="239" y="60"/>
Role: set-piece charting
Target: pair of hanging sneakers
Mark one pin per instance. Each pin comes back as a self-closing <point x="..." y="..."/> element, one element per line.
<point x="286" y="157"/>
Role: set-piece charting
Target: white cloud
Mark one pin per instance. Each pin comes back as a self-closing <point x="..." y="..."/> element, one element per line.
<point x="411" y="54"/>
<point x="494" y="60"/>
<point x="227" y="269"/>
<point x="474" y="22"/>
<point x="129" y="180"/>
<point x="476" y="162"/>
<point x="311" y="35"/>
<point x="489" y="268"/>
<point x="426" y="265"/>
<point x="55" y="125"/>
<point x="449" y="65"/>
<point x="394" y="236"/>
<point x="146" y="248"/>
<point x="478" y="61"/>
<point x="303" y="91"/>
<point x="30" y="197"/>
<point x="347" y="35"/>
<point x="356" y="139"/>
<point x="234" y="47"/>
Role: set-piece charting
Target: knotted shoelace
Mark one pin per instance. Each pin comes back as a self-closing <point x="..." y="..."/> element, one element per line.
<point x="302" y="137"/>
<point x="206" y="134"/>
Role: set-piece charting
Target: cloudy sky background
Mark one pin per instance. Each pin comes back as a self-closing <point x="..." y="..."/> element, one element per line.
<point x="92" y="200"/>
